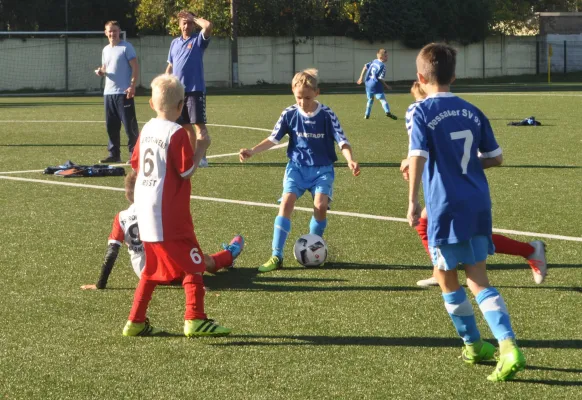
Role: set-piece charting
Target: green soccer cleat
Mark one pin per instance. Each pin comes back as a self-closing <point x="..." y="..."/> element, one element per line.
<point x="271" y="265"/>
<point x="204" y="327"/>
<point x="140" y="329"/>
<point x="486" y="353"/>
<point x="509" y="364"/>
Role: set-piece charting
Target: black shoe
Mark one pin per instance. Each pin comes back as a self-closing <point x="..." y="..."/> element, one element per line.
<point x="366" y="116"/>
<point x="110" y="159"/>
<point x="390" y="115"/>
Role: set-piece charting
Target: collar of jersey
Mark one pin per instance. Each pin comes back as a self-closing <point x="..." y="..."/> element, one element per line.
<point x="313" y="114"/>
<point x="441" y="94"/>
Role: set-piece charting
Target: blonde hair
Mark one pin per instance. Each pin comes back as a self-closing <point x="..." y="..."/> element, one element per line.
<point x="305" y="78"/>
<point x="167" y="92"/>
<point x="417" y="92"/>
<point x="112" y="23"/>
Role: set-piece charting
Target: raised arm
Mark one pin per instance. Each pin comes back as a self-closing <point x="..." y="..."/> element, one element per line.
<point x="205" y="25"/>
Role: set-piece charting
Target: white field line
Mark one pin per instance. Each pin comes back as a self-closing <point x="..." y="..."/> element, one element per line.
<point x="267" y="205"/>
<point x="279" y="146"/>
<point x="462" y="93"/>
<point x="44" y="121"/>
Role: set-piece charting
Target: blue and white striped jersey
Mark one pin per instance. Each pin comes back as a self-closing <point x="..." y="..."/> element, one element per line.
<point x="311" y="137"/>
<point x="376" y="71"/>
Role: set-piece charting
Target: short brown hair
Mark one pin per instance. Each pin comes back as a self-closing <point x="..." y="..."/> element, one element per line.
<point x="114" y="23"/>
<point x="185" y="14"/>
<point x="130" y="185"/>
<point x="381" y="52"/>
<point x="437" y="62"/>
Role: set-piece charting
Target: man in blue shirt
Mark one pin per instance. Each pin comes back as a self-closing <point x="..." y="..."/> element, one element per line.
<point x="185" y="61"/>
<point x="120" y="68"/>
<point x="452" y="141"/>
<point x="375" y="72"/>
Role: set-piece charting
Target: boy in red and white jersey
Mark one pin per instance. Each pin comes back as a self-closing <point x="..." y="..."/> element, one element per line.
<point x="163" y="161"/>
<point x="125" y="230"/>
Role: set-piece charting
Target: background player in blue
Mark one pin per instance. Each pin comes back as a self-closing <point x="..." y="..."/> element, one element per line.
<point x="120" y="68"/>
<point x="376" y="72"/>
<point x="312" y="128"/>
<point x="446" y="134"/>
<point x="185" y="61"/>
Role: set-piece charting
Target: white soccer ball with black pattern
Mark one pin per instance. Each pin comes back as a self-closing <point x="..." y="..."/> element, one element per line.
<point x="310" y="250"/>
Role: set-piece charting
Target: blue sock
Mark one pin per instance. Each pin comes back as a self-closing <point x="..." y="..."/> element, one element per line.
<point x="281" y="229"/>
<point x="493" y="308"/>
<point x="461" y="312"/>
<point x="317" y="227"/>
<point x="385" y="106"/>
<point x="369" y="107"/>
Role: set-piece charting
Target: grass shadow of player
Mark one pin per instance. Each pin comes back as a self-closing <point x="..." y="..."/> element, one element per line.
<point x="248" y="279"/>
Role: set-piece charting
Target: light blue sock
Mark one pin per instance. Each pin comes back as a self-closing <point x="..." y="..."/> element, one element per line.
<point x="281" y="229"/>
<point x="369" y="107"/>
<point x="461" y="312"/>
<point x="495" y="312"/>
<point x="317" y="227"/>
<point x="385" y="106"/>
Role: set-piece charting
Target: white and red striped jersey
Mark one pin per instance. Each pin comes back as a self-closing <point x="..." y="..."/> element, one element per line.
<point x="125" y="230"/>
<point x="162" y="158"/>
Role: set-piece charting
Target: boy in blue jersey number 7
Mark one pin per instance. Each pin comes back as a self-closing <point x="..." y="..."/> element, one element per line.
<point x="312" y="128"/>
<point x="375" y="72"/>
<point x="446" y="134"/>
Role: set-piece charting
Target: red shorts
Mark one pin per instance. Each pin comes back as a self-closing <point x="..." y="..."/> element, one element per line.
<point x="172" y="260"/>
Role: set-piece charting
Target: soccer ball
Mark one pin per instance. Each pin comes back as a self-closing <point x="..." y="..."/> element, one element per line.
<point x="310" y="250"/>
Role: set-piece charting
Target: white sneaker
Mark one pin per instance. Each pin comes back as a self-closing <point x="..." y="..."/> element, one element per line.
<point x="432" y="281"/>
<point x="203" y="163"/>
<point x="537" y="261"/>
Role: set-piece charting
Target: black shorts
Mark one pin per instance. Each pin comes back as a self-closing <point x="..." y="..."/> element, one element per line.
<point x="194" y="110"/>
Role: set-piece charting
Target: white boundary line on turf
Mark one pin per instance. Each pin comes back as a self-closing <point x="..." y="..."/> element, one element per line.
<point x="44" y="121"/>
<point x="461" y="93"/>
<point x="306" y="209"/>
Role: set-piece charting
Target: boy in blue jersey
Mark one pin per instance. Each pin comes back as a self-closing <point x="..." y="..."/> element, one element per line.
<point x="446" y="134"/>
<point x="375" y="83"/>
<point x="312" y="128"/>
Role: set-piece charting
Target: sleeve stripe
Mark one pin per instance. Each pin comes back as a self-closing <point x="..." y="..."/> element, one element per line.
<point x="492" y="154"/>
<point x="186" y="173"/>
<point x="111" y="241"/>
<point x="418" y="153"/>
<point x="273" y="139"/>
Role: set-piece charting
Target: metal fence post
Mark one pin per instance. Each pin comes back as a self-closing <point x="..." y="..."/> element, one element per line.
<point x="565" y="58"/>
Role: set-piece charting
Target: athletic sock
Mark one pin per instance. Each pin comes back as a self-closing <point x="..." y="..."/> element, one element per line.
<point x="505" y="245"/>
<point x="421" y="228"/>
<point x="141" y="299"/>
<point x="505" y="346"/>
<point x="495" y="312"/>
<point x="317" y="227"/>
<point x="385" y="105"/>
<point x="281" y="229"/>
<point x="461" y="313"/>
<point x="369" y="107"/>
<point x="194" y="288"/>
<point x="222" y="259"/>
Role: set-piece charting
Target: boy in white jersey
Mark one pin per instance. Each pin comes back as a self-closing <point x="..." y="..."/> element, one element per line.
<point x="446" y="135"/>
<point x="163" y="161"/>
<point x="125" y="230"/>
<point x="312" y="128"/>
<point x="375" y="72"/>
<point x="533" y="252"/>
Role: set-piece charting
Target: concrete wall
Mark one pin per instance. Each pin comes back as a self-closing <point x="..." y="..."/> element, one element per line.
<point x="39" y="63"/>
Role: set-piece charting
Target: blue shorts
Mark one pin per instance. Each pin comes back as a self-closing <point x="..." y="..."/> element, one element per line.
<point x="448" y="256"/>
<point x="379" y="96"/>
<point x="318" y="179"/>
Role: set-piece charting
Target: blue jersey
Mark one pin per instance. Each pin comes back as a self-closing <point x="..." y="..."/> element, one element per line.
<point x="450" y="132"/>
<point x="311" y="137"/>
<point x="117" y="67"/>
<point x="376" y="72"/>
<point x="186" y="58"/>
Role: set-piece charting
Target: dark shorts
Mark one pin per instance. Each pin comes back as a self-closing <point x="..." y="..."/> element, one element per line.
<point x="194" y="110"/>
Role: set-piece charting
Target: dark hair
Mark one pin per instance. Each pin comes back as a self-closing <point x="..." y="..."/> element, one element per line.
<point x="437" y="62"/>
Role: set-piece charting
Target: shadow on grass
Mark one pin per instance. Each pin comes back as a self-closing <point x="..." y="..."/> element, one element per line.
<point x="284" y="164"/>
<point x="525" y="266"/>
<point x="550" y="382"/>
<point x="308" y="340"/>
